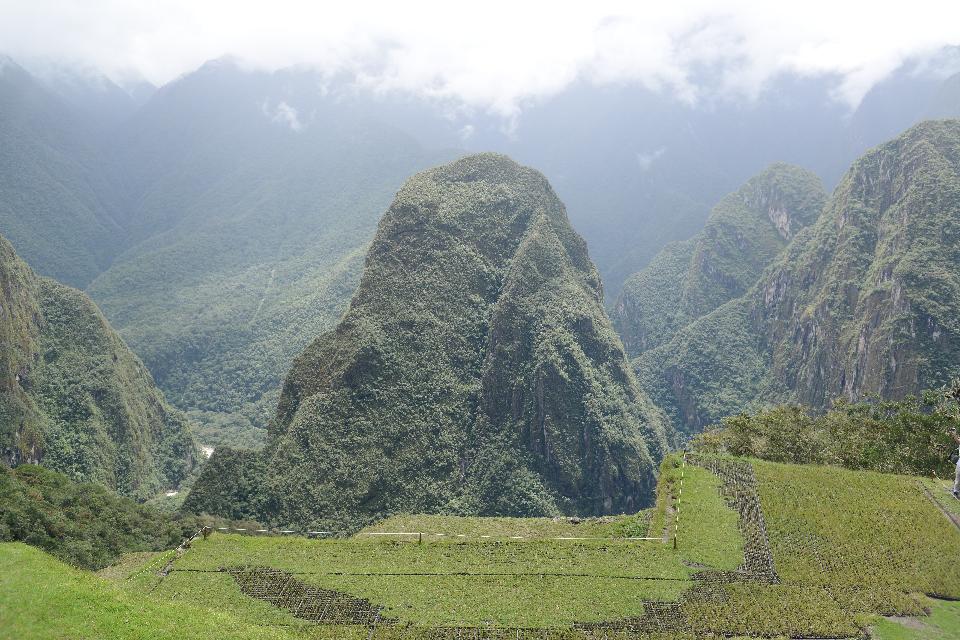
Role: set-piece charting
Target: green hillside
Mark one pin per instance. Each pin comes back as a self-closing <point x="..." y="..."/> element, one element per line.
<point x="77" y="604"/>
<point x="74" y="397"/>
<point x="745" y="232"/>
<point x="475" y="373"/>
<point x="83" y="524"/>
<point x="862" y="302"/>
<point x="762" y="550"/>
<point x="908" y="436"/>
<point x="56" y="195"/>
<point x="252" y="202"/>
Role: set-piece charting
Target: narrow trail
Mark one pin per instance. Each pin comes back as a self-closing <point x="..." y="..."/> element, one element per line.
<point x="178" y="553"/>
<point x="949" y="516"/>
<point x="266" y="292"/>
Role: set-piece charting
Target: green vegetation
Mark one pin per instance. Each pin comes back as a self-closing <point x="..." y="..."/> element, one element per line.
<point x="845" y="547"/>
<point x="907" y="436"/>
<point x="649" y="309"/>
<point x="862" y="302"/>
<point x="707" y="529"/>
<point x="744" y="234"/>
<point x="535" y="582"/>
<point x="763" y="550"/>
<point x="218" y="240"/>
<point x="711" y="369"/>
<point x="83" y="524"/>
<point x="258" y="228"/>
<point x="405" y="557"/>
<point x="57" y="203"/>
<point x="942" y="624"/>
<point x="76" y="604"/>
<point x="218" y="429"/>
<point x="475" y="373"/>
<point x="602" y="527"/>
<point x="942" y="492"/>
<point x="74" y="397"/>
<point x="509" y="583"/>
<point x="869" y="538"/>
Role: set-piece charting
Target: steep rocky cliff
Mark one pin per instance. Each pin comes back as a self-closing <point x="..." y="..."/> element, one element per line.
<point x="74" y="398"/>
<point x="745" y="232"/>
<point x="866" y="301"/>
<point x="474" y="372"/>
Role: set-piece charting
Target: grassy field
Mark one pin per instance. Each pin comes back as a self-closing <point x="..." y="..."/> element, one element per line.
<point x="941" y="492"/>
<point x="943" y="623"/>
<point x="507" y="583"/>
<point x="41" y="597"/>
<point x="869" y="538"/>
<point x="763" y="550"/>
<point x="511" y="528"/>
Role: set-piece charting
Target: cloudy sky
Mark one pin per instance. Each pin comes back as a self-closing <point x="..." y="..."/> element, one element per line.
<point x="494" y="54"/>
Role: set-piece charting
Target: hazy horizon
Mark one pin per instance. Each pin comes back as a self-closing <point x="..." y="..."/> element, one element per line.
<point x="504" y="57"/>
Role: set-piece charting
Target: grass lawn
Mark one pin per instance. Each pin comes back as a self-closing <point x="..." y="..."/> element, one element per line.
<point x="845" y="546"/>
<point x="941" y="490"/>
<point x="864" y="534"/>
<point x="528" y="583"/>
<point x="943" y="623"/>
<point x="41" y="597"/>
<point x="519" y="576"/>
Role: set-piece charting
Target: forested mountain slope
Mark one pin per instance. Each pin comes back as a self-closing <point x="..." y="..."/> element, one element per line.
<point x="865" y="301"/>
<point x="252" y="201"/>
<point x="745" y="232"/>
<point x="475" y="372"/>
<point x="221" y="223"/>
<point x="56" y="198"/>
<point x="74" y="397"/>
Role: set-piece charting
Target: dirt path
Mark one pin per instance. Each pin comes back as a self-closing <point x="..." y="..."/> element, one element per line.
<point x="949" y="516"/>
<point x="266" y="291"/>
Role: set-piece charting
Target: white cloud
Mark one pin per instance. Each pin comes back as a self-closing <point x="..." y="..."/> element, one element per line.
<point x="646" y="160"/>
<point x="502" y="54"/>
<point x="283" y="114"/>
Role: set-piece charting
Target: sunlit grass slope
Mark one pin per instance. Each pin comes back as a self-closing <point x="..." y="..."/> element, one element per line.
<point x="41" y="597"/>
<point x="846" y="546"/>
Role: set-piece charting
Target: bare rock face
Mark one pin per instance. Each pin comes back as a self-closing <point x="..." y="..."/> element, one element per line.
<point x="474" y="372"/>
<point x="865" y="301"/>
<point x="868" y="302"/>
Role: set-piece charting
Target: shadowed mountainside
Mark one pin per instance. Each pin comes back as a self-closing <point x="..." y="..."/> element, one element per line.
<point x="74" y="397"/>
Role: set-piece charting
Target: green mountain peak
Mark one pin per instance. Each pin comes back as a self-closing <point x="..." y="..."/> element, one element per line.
<point x="745" y="232"/>
<point x="475" y="371"/>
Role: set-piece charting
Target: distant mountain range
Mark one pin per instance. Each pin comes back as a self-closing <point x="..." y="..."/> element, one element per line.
<point x="220" y="221"/>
